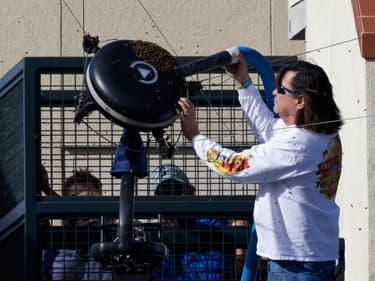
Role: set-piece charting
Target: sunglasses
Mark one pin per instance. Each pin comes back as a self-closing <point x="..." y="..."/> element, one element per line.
<point x="282" y="90"/>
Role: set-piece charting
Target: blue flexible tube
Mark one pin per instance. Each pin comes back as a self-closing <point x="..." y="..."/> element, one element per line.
<point x="266" y="73"/>
<point x="264" y="69"/>
<point x="250" y="267"/>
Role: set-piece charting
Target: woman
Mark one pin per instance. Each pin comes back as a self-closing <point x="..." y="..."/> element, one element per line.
<point x="297" y="164"/>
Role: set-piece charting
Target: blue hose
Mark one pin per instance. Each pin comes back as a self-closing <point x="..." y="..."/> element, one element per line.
<point x="264" y="69"/>
<point x="266" y="73"/>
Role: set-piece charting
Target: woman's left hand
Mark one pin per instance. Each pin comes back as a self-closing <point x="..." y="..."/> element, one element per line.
<point x="188" y="120"/>
<point x="239" y="71"/>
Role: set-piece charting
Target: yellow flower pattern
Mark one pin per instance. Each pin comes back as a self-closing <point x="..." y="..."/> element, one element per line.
<point x="225" y="164"/>
<point x="329" y="170"/>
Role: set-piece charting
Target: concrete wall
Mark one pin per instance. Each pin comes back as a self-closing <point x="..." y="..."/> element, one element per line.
<point x="331" y="22"/>
<point x="370" y="86"/>
<point x="183" y="27"/>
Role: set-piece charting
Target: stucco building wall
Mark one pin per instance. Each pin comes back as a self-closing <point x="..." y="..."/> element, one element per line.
<point x="186" y="27"/>
<point x="332" y="23"/>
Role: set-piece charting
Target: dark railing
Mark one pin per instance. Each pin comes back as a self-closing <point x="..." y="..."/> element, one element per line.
<point x="37" y="98"/>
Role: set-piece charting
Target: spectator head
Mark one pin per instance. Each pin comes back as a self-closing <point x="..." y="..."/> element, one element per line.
<point x="168" y="179"/>
<point x="82" y="183"/>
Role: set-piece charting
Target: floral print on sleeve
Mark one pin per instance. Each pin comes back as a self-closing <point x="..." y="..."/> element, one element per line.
<point x="329" y="170"/>
<point x="227" y="163"/>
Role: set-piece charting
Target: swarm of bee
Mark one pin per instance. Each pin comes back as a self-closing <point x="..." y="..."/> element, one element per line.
<point x="155" y="55"/>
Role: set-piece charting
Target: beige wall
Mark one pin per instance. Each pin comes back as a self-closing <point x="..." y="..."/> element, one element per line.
<point x="191" y="27"/>
<point x="330" y="22"/>
<point x="370" y="86"/>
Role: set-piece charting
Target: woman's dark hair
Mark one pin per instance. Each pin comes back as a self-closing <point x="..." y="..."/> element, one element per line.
<point x="320" y="112"/>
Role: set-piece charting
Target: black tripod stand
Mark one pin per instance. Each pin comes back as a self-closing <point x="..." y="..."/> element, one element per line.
<point x="130" y="259"/>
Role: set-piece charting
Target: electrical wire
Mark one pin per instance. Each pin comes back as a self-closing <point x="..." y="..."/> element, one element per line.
<point x="74" y="16"/>
<point x="158" y="28"/>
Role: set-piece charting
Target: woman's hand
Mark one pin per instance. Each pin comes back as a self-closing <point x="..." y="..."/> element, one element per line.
<point x="239" y="71"/>
<point x="188" y="120"/>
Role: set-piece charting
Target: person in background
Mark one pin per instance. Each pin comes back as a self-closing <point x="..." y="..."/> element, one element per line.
<point x="240" y="252"/>
<point x="75" y="264"/>
<point x="44" y="184"/>
<point x="205" y="264"/>
<point x="82" y="183"/>
<point x="44" y="224"/>
<point x="297" y="164"/>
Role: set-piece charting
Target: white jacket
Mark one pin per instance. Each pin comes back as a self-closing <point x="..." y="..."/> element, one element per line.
<point x="297" y="170"/>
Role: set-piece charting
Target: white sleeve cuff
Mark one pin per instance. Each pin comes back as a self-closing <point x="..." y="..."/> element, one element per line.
<point x="251" y="90"/>
<point x="196" y="138"/>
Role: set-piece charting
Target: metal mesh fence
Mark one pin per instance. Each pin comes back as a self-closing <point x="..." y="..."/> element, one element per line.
<point x="196" y="251"/>
<point x="200" y="247"/>
<point x="91" y="145"/>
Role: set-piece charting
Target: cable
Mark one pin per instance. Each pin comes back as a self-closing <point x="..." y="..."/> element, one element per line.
<point x="317" y="49"/>
<point x="156" y="25"/>
<point x="317" y="123"/>
<point x="329" y="46"/>
<point x="74" y="16"/>
<point x="323" y="122"/>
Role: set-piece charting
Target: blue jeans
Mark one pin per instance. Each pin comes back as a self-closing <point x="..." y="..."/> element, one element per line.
<point x="300" y="271"/>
